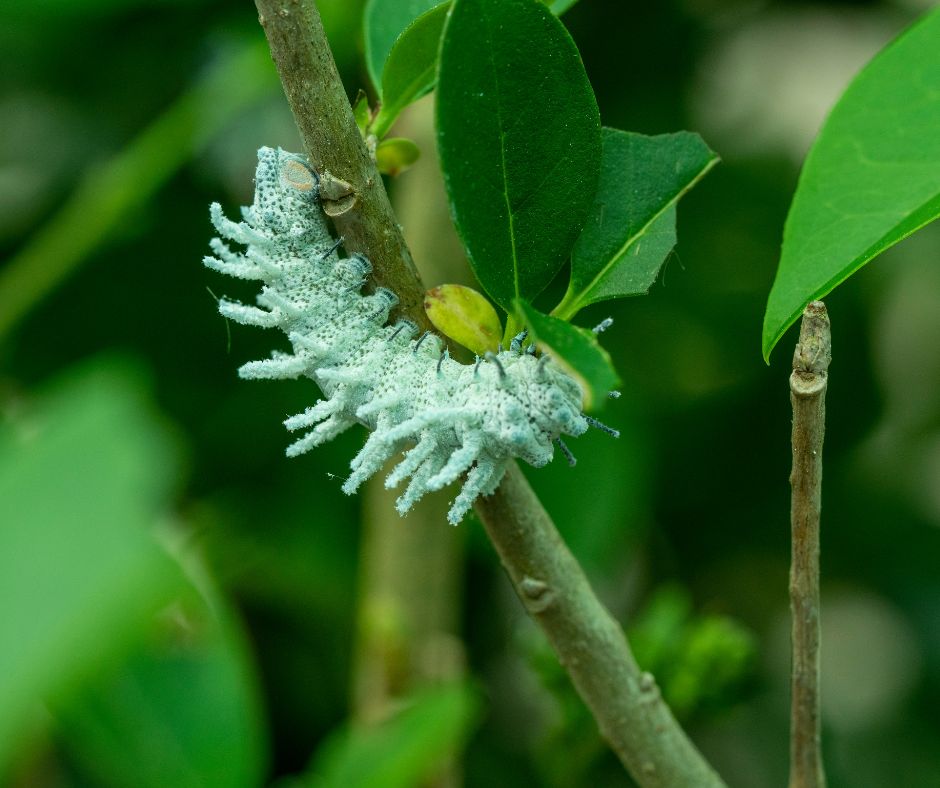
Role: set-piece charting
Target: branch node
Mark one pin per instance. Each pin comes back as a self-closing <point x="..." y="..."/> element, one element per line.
<point x="538" y="596"/>
<point x="648" y="688"/>
<point x="813" y="352"/>
<point x="333" y="188"/>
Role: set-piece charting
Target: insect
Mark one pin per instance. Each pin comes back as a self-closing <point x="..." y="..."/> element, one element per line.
<point x="458" y="419"/>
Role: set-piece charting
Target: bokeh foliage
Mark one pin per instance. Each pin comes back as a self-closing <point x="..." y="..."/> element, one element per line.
<point x="250" y="560"/>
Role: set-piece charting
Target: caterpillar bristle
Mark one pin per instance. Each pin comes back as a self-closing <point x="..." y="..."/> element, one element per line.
<point x="457" y="465"/>
<point x="516" y="345"/>
<point x="492" y="357"/>
<point x="417" y="487"/>
<point x="240" y="270"/>
<point x="601" y="426"/>
<point x="440" y="361"/>
<point x="322" y="433"/>
<point x="274" y="300"/>
<point x="312" y="415"/>
<point x="282" y="367"/>
<point x="572" y="461"/>
<point x="329" y="252"/>
<point x="421" y="339"/>
<point x="248" y="315"/>
<point x="480" y="481"/>
<point x="540" y="366"/>
<point x="425" y="446"/>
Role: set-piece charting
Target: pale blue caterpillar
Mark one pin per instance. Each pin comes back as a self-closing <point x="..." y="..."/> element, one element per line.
<point x="458" y="418"/>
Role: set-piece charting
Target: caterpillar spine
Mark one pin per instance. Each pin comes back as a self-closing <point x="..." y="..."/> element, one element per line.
<point x="459" y="419"/>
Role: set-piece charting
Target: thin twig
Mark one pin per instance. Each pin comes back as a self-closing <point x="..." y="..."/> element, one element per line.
<point x="590" y="644"/>
<point x="808" y="397"/>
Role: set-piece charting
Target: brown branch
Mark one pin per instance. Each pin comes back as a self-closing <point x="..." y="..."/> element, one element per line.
<point x="808" y="397"/>
<point x="336" y="149"/>
<point x="590" y="644"/>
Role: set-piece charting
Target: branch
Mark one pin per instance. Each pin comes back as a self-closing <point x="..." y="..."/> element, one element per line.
<point x="360" y="211"/>
<point x="590" y="644"/>
<point x="808" y="397"/>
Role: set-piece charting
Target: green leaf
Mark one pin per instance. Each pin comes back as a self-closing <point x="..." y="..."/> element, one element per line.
<point x="465" y="316"/>
<point x="871" y="178"/>
<point x="361" y="111"/>
<point x="519" y="140"/>
<point x="383" y="21"/>
<point x="194" y="702"/>
<point x="411" y="69"/>
<point x="575" y="349"/>
<point x="633" y="225"/>
<point x="80" y="574"/>
<point x="395" y="155"/>
<point x="402" y="752"/>
<point x="559" y="7"/>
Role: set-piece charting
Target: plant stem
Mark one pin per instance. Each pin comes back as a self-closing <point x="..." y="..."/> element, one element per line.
<point x="408" y="603"/>
<point x="411" y="577"/>
<point x="334" y="146"/>
<point x="808" y="397"/>
<point x="590" y="644"/>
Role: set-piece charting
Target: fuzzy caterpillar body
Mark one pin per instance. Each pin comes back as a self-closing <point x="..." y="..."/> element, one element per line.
<point x="459" y="419"/>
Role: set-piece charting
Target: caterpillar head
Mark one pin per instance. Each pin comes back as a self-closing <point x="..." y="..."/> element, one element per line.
<point x="286" y="190"/>
<point x="533" y="406"/>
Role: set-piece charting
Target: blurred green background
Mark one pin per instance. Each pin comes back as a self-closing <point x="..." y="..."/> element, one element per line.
<point x="182" y="605"/>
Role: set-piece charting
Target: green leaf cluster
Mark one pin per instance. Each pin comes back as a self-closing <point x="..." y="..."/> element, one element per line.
<point x="402" y="41"/>
<point x="532" y="179"/>
<point x="704" y="665"/>
<point x="702" y="662"/>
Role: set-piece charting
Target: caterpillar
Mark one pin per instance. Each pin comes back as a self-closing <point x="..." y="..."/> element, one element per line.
<point x="458" y="418"/>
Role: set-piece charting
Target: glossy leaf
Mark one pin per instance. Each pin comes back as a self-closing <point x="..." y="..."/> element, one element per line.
<point x="395" y="155"/>
<point x="575" y="349"/>
<point x="519" y="141"/>
<point x="383" y="22"/>
<point x="402" y="752"/>
<point x="632" y="228"/>
<point x="465" y="316"/>
<point x="871" y="178"/>
<point x="411" y="69"/>
<point x="80" y="574"/>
